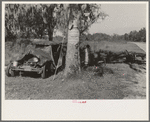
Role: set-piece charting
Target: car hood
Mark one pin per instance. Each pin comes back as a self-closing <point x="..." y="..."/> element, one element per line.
<point x="42" y="55"/>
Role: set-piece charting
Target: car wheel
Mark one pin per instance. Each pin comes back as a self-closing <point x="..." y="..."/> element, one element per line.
<point x="12" y="73"/>
<point x="43" y="75"/>
<point x="8" y="70"/>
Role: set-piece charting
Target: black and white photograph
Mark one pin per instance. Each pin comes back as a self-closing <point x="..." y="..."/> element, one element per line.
<point x="77" y="52"/>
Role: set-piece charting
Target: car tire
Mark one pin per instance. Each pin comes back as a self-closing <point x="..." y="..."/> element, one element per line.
<point x="43" y="74"/>
<point x="8" y="70"/>
<point x="12" y="73"/>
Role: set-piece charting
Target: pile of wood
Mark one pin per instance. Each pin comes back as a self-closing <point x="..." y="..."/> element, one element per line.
<point x="116" y="57"/>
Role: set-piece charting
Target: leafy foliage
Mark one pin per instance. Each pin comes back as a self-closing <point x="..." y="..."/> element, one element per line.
<point x="33" y="20"/>
<point x="139" y="36"/>
<point x="29" y="20"/>
<point x="86" y="13"/>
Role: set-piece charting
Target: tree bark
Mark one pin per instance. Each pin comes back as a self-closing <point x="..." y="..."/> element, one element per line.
<point x="50" y="32"/>
<point x="72" y="56"/>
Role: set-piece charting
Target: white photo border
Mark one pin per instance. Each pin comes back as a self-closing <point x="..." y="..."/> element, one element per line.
<point x="43" y="110"/>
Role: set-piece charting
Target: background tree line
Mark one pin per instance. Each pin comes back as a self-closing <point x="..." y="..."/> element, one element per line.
<point x="137" y="36"/>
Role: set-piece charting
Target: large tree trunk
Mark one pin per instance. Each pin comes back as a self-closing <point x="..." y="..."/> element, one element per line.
<point x="72" y="56"/>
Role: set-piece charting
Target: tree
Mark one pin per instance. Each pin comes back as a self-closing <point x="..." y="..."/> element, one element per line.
<point x="142" y="34"/>
<point x="80" y="17"/>
<point x="11" y="19"/>
<point x="30" y="19"/>
<point x="126" y="36"/>
<point x="49" y="19"/>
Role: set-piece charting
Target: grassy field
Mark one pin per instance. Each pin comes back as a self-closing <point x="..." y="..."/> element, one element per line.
<point x="115" y="46"/>
<point x="119" y="81"/>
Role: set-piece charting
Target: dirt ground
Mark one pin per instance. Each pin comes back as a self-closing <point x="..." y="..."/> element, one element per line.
<point x="119" y="81"/>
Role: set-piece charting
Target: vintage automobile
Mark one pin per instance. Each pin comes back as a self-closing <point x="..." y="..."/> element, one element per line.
<point x="43" y="57"/>
<point x="40" y="57"/>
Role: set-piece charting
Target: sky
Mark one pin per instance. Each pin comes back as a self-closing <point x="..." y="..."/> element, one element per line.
<point x="122" y="19"/>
